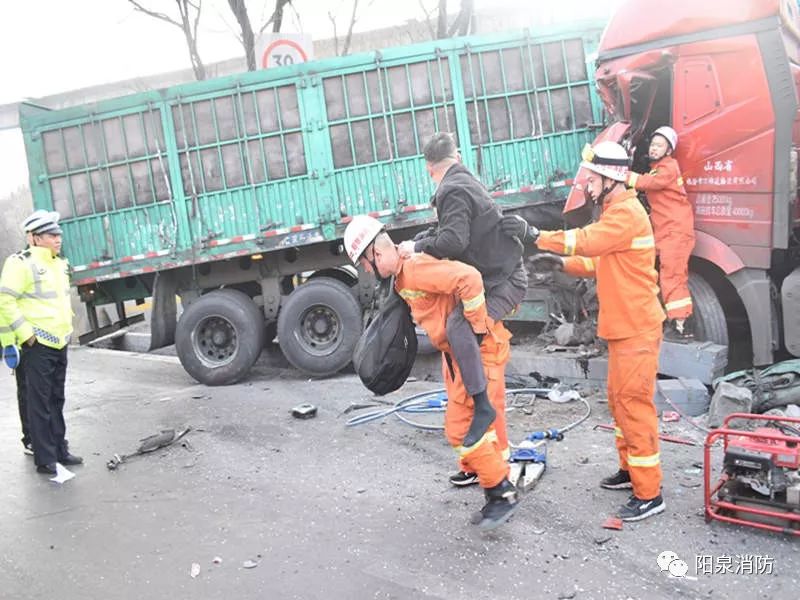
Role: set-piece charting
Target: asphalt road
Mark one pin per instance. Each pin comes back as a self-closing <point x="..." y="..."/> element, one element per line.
<point x="326" y="511"/>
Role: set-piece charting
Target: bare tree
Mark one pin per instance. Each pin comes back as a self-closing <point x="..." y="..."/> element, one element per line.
<point x="461" y="25"/>
<point x="247" y="37"/>
<point x="189" y="19"/>
<point x="349" y="36"/>
<point x="441" y="21"/>
<point x="427" y="14"/>
<point x="13" y="209"/>
<point x="277" y="16"/>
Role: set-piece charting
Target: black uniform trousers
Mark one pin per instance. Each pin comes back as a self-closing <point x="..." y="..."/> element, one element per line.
<point x="45" y="373"/>
<point x="19" y="373"/>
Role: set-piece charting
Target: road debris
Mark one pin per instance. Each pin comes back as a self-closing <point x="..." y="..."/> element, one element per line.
<point x="304" y="411"/>
<point x="149" y="444"/>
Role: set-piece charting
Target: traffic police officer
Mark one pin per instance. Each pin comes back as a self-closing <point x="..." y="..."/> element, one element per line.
<point x="36" y="312"/>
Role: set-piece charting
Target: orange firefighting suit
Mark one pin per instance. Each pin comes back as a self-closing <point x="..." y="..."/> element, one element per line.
<point x="619" y="251"/>
<point x="673" y="226"/>
<point x="433" y="288"/>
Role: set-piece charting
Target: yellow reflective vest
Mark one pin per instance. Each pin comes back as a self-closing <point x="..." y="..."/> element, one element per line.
<point x="35" y="299"/>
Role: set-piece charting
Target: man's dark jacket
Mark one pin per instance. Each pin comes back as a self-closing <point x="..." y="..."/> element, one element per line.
<point x="469" y="228"/>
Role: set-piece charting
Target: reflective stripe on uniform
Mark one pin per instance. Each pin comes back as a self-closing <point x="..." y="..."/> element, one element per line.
<point x="588" y="263"/>
<point x="643" y="242"/>
<point x="488" y="437"/>
<point x="618" y="432"/>
<point x="38" y="292"/>
<point x="644" y="461"/>
<point x="10" y="292"/>
<point x="678" y="303"/>
<point x="632" y="178"/>
<point x="473" y="303"/>
<point x="570" y="241"/>
<point x="17" y="324"/>
<point x="680" y="180"/>
<point x="411" y="294"/>
<point x="48" y="337"/>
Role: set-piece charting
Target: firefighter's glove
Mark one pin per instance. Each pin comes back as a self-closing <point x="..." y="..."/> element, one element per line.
<point x="516" y="227"/>
<point x="429" y="232"/>
<point x="545" y="262"/>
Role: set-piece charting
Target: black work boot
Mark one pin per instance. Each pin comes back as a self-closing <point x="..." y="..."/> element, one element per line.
<point x="501" y="503"/>
<point x="482" y="418"/>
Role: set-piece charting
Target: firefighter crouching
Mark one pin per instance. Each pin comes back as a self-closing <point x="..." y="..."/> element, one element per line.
<point x="36" y="315"/>
<point x="433" y="288"/>
<point x="619" y="250"/>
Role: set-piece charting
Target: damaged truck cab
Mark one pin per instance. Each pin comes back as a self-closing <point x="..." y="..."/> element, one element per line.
<point x="725" y="75"/>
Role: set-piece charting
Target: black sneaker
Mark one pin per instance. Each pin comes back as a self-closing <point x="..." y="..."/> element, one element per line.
<point x="27" y="448"/>
<point x="502" y="503"/>
<point x="621" y="480"/>
<point x="637" y="509"/>
<point x="463" y="479"/>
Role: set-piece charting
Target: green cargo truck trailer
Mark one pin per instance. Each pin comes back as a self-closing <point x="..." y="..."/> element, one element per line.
<point x="233" y="194"/>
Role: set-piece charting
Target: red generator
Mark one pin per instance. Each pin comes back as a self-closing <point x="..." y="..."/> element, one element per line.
<point x="759" y="484"/>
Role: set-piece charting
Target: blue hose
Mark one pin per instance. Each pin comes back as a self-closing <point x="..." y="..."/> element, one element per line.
<point x="425" y="402"/>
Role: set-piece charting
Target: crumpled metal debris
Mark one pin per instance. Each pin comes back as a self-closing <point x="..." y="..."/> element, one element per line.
<point x="149" y="444"/>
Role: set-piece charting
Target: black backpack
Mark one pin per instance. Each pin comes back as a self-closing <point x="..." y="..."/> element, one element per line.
<point x="386" y="351"/>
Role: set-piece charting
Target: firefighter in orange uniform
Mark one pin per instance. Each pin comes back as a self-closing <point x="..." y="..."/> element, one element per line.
<point x="433" y="288"/>
<point x="673" y="225"/>
<point x="619" y="251"/>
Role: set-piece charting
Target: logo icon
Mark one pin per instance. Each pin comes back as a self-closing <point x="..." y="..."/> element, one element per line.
<point x="669" y="561"/>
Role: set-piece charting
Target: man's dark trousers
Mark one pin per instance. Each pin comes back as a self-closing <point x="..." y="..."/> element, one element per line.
<point x="45" y="374"/>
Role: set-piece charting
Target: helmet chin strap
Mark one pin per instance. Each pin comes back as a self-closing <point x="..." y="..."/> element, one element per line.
<point x="600" y="197"/>
<point x="374" y="266"/>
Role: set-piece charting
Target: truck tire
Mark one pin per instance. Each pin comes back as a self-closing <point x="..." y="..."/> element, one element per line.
<point x="710" y="324"/>
<point x="319" y="326"/>
<point x="220" y="336"/>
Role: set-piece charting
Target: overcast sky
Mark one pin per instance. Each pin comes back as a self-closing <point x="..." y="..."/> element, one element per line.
<point x="51" y="46"/>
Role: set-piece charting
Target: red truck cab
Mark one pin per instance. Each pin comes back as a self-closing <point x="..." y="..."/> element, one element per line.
<point x="725" y="75"/>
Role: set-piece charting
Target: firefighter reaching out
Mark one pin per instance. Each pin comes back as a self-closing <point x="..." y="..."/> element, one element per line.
<point x="619" y="250"/>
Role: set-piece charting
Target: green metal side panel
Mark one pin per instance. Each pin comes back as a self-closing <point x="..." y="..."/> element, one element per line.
<point x="282" y="157"/>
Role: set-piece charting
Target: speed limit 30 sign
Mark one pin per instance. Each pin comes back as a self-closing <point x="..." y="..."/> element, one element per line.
<point x="285" y="50"/>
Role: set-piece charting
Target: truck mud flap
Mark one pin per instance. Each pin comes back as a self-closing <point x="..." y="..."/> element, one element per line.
<point x="163" y="319"/>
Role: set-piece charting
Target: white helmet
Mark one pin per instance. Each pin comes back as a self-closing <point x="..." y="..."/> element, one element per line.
<point x="668" y="133"/>
<point x="360" y="233"/>
<point x="608" y="159"/>
<point x="42" y="221"/>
